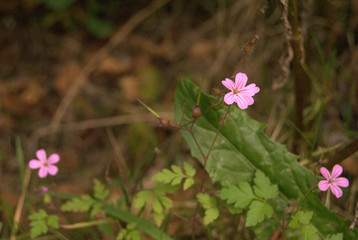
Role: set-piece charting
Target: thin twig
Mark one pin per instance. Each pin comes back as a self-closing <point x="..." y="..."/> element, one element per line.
<point x="102" y="53"/>
<point x="20" y="204"/>
<point x="94" y="123"/>
<point x="354" y="222"/>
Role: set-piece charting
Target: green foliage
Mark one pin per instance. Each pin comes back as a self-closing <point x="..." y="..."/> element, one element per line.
<point x="129" y="233"/>
<point x="168" y="182"/>
<point x="93" y="15"/>
<point x="106" y="228"/>
<point x="87" y="203"/>
<point x="142" y="198"/>
<point x="263" y="187"/>
<point x="142" y="224"/>
<point x="100" y="192"/>
<point x="302" y="220"/>
<point x="82" y="204"/>
<point x="240" y="196"/>
<point x="309" y="232"/>
<point x="210" y="206"/>
<point x="47" y="198"/>
<point x="160" y="202"/>
<point x="240" y="149"/>
<point x="98" y="27"/>
<point x="40" y="223"/>
<point x="338" y="236"/>
<point x="176" y="176"/>
<point x="257" y="212"/>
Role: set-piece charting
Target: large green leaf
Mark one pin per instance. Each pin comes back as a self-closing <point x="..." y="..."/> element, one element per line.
<point x="241" y="148"/>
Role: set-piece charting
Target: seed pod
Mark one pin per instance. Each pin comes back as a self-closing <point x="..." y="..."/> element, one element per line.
<point x="196" y="112"/>
<point x="164" y="122"/>
<point x="250" y="45"/>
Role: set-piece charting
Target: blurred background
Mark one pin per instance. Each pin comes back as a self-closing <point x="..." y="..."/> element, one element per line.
<point x="71" y="71"/>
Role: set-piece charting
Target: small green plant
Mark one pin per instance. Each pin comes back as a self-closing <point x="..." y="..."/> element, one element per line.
<point x="41" y="223"/>
<point x="87" y="203"/>
<point x="168" y="182"/>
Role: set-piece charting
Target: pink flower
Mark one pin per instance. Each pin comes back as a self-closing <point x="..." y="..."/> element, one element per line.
<point x="333" y="181"/>
<point x="239" y="93"/>
<point x="45" y="164"/>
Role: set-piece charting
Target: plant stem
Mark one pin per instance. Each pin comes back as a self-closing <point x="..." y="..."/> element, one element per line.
<point x="327" y="202"/>
<point x="301" y="81"/>
<point x="83" y="224"/>
<point x="205" y="158"/>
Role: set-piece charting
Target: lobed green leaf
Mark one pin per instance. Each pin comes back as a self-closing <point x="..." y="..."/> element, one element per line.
<point x="263" y="187"/>
<point x="189" y="170"/>
<point x="81" y="204"/>
<point x="142" y="198"/>
<point x="210" y="205"/>
<point x="338" y="236"/>
<point x="240" y="196"/>
<point x="52" y="221"/>
<point x="100" y="192"/>
<point x="309" y="232"/>
<point x="257" y="213"/>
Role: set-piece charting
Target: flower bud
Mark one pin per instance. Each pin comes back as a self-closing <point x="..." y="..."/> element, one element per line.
<point x="164" y="122"/>
<point x="196" y="112"/>
<point x="250" y="45"/>
<point x="216" y="91"/>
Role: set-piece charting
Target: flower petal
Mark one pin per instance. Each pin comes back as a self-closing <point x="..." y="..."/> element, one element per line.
<point x="41" y="155"/>
<point x="34" y="164"/>
<point x="240" y="80"/>
<point x="53" y="158"/>
<point x="336" y="171"/>
<point x="325" y="173"/>
<point x="248" y="99"/>
<point x="323" y="185"/>
<point x="241" y="102"/>
<point x="250" y="90"/>
<point x="336" y="191"/>
<point x="52" y="170"/>
<point x="43" y="172"/>
<point x="229" y="98"/>
<point x="229" y="84"/>
<point x="342" y="182"/>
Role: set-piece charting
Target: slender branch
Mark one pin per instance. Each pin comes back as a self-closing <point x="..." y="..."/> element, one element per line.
<point x="114" y="41"/>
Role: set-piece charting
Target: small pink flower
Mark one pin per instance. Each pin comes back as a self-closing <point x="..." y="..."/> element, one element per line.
<point x="243" y="96"/>
<point x="333" y="181"/>
<point x="45" y="164"/>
